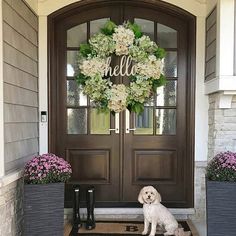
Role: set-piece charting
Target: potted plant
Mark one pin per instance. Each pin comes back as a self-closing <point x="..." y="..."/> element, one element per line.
<point x="221" y="195"/>
<point x="45" y="176"/>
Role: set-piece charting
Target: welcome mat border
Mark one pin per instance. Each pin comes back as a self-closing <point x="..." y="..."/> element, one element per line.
<point x="68" y="227"/>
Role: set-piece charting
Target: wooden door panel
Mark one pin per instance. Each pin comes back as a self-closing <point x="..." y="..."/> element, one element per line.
<point x="93" y="154"/>
<point x="160" y="158"/>
<point x="154" y="166"/>
<point x="119" y="165"/>
<point x="85" y="166"/>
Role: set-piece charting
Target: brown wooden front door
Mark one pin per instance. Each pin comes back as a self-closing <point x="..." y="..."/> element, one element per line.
<point x="154" y="148"/>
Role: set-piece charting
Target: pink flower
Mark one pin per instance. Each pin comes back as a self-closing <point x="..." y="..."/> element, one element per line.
<point x="47" y="168"/>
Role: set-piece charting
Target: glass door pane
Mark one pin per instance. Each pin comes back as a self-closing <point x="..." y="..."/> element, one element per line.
<point x="99" y="122"/>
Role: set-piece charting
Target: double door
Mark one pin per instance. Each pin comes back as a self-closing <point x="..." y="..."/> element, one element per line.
<point x="120" y="154"/>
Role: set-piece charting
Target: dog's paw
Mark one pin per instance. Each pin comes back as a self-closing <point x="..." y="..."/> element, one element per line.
<point x="151" y="234"/>
<point x="144" y="232"/>
<point x="168" y="234"/>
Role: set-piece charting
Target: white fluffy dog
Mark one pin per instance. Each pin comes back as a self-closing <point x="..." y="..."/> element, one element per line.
<point x="155" y="213"/>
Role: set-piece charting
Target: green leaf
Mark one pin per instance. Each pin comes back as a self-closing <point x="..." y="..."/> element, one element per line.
<point x="158" y="82"/>
<point x="162" y="80"/>
<point x="109" y="28"/>
<point x="136" y="107"/>
<point x="81" y="79"/>
<point x="113" y="113"/>
<point x="160" y="53"/>
<point x="132" y="78"/>
<point x="85" y="49"/>
<point x="136" y="29"/>
<point x="103" y="106"/>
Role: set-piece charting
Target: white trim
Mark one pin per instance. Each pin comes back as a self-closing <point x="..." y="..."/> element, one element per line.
<point x="225" y="99"/>
<point x="220" y="83"/>
<point x="200" y="164"/>
<point x="33" y="5"/>
<point x="129" y="213"/>
<point x="234" y="37"/>
<point x="225" y="38"/>
<point x="46" y="7"/>
<point x="10" y="178"/>
<point x="226" y="86"/>
<point x="201" y="100"/>
<point x="43" y="85"/>
<point x="2" y="162"/>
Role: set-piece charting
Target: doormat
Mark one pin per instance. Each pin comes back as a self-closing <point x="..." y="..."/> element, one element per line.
<point x="129" y="228"/>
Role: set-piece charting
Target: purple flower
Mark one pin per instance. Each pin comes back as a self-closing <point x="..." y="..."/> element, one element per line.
<point x="47" y="168"/>
<point x="222" y="167"/>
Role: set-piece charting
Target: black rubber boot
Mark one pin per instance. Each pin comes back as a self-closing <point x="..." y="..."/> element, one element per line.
<point x="76" y="215"/>
<point x="90" y="198"/>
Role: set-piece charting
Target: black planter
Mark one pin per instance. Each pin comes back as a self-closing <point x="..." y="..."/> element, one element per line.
<point x="44" y="209"/>
<point x="221" y="208"/>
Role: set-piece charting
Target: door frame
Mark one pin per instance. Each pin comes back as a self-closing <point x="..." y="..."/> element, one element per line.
<point x="76" y="8"/>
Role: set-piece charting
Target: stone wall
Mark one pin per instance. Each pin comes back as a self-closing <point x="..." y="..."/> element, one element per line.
<point x="222" y="127"/>
<point x="11" y="209"/>
<point x="199" y="192"/>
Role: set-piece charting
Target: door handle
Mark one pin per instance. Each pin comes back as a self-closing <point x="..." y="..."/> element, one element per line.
<point x="127" y="122"/>
<point x="117" y="124"/>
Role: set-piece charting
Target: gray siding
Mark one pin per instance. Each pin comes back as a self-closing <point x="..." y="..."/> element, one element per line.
<point x="210" y="66"/>
<point x="20" y="72"/>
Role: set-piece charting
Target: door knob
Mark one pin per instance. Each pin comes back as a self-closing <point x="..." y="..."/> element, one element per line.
<point x="132" y="129"/>
<point x="117" y="124"/>
<point x="116" y="129"/>
<point x="127" y="122"/>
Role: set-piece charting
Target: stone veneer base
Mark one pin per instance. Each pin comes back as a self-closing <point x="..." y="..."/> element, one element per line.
<point x="11" y="208"/>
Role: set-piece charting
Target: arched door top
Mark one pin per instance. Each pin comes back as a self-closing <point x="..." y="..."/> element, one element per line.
<point x="195" y="8"/>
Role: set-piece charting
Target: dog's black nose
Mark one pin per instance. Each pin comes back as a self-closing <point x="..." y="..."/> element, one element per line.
<point x="149" y="196"/>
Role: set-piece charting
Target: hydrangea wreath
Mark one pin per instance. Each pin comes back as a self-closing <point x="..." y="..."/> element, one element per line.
<point x="147" y="61"/>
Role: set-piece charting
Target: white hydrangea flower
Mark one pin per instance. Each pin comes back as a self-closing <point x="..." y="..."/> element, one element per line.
<point x="121" y="49"/>
<point x="123" y="38"/>
<point x="95" y="87"/>
<point x="102" y="44"/>
<point x="92" y="67"/>
<point x="140" y="90"/>
<point x="146" y="44"/>
<point x="150" y="68"/>
<point x="117" y="98"/>
<point x="137" y="54"/>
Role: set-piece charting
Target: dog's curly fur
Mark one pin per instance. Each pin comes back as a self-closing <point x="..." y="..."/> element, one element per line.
<point x="155" y="213"/>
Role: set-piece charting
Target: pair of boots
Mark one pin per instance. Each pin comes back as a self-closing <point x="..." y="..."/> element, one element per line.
<point x="90" y="222"/>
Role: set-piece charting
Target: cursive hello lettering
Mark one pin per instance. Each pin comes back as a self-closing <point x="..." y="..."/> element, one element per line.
<point x="125" y="67"/>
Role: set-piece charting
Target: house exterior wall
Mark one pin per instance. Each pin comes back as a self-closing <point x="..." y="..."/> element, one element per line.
<point x="20" y="75"/>
<point x="222" y="126"/>
<point x="18" y="107"/>
<point x="211" y="26"/>
<point x="22" y="83"/>
<point x="11" y="210"/>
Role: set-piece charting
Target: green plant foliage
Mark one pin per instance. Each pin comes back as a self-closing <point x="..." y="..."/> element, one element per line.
<point x="132" y="78"/>
<point x="81" y="79"/>
<point x="136" y="107"/>
<point x="85" y="49"/>
<point x="157" y="83"/>
<point x="109" y="28"/>
<point x="160" y="53"/>
<point x="136" y="29"/>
